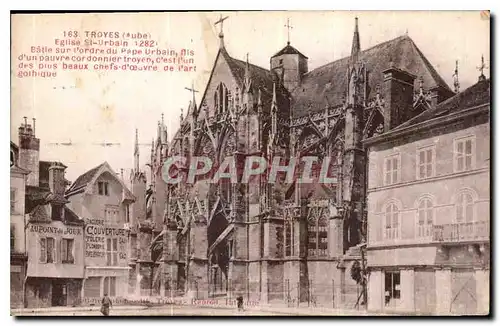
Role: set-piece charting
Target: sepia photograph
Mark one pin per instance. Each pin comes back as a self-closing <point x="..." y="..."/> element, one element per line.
<point x="250" y="163"/>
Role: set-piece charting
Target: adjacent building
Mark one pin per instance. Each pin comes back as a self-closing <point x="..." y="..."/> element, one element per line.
<point x="53" y="233"/>
<point x="429" y="209"/>
<point x="102" y="200"/>
<point x="18" y="254"/>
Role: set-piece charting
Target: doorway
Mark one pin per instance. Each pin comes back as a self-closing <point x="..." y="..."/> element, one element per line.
<point x="59" y="293"/>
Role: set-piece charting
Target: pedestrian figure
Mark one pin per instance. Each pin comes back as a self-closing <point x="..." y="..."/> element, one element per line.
<point x="106" y="303"/>
<point x="239" y="300"/>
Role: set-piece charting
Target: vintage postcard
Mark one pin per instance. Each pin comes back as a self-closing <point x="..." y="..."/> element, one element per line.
<point x="250" y="163"/>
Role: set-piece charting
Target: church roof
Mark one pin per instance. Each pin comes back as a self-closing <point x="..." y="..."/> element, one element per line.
<point x="470" y="101"/>
<point x="288" y="49"/>
<point x="477" y="94"/>
<point x="262" y="79"/>
<point x="325" y="86"/>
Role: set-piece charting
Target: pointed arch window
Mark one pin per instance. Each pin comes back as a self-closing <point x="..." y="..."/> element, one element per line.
<point x="391" y="222"/>
<point x="289" y="236"/>
<point x="221" y="99"/>
<point x="425" y="218"/>
<point x="317" y="233"/>
<point x="226" y="189"/>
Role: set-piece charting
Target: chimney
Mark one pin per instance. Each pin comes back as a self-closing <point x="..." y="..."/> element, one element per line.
<point x="57" y="182"/>
<point x="29" y="152"/>
<point x="439" y="94"/>
<point x="397" y="92"/>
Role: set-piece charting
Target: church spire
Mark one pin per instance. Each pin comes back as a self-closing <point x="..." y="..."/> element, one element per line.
<point x="136" y="151"/>
<point x="274" y="112"/>
<point x="259" y="102"/>
<point x="456" y="82"/>
<point x="248" y="77"/>
<point x="355" y="43"/>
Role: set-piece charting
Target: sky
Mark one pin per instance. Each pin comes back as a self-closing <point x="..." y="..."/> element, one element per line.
<point x="91" y="107"/>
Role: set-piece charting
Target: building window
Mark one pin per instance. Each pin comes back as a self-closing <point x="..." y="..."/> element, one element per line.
<point x="12" y="200"/>
<point x="112" y="252"/>
<point x="317" y="233"/>
<point x="67" y="251"/>
<point x="281" y="61"/>
<point x="463" y="154"/>
<point x="426" y="158"/>
<point x="425" y="215"/>
<point x="391" y="169"/>
<point x="391" y="222"/>
<point x="226" y="189"/>
<point x="47" y="250"/>
<point x="110" y="286"/>
<point x="465" y="208"/>
<point x="392" y="288"/>
<point x="92" y="287"/>
<point x="57" y="212"/>
<point x="288" y="238"/>
<point x="127" y="214"/>
<point x="221" y="98"/>
<point x="112" y="214"/>
<point x="12" y="158"/>
<point x="12" y="237"/>
<point x="103" y="188"/>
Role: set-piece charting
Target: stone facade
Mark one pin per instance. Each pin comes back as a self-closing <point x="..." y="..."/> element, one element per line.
<point x="284" y="241"/>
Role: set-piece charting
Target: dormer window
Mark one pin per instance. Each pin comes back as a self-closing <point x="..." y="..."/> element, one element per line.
<point x="221" y="99"/>
<point x="57" y="212"/>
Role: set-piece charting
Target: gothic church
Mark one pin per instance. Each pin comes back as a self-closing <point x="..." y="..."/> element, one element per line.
<point x="282" y="242"/>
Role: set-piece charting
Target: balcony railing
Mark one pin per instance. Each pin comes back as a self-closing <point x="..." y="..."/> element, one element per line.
<point x="458" y="232"/>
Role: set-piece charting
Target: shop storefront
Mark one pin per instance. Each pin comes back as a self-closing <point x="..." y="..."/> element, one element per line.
<point x="55" y="264"/>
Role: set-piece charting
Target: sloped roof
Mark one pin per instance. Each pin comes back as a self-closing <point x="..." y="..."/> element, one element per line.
<point x="89" y="176"/>
<point x="330" y="81"/>
<point x="477" y="94"/>
<point x="71" y="217"/>
<point x="288" y="49"/>
<point x="40" y="214"/>
<point x="35" y="196"/>
<point x="262" y="79"/>
<point x="85" y="178"/>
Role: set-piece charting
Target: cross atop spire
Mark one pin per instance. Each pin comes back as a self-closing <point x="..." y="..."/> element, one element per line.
<point x="481" y="69"/>
<point x="221" y="33"/>
<point x="355" y="42"/>
<point x="288" y="27"/>
<point x="192" y="89"/>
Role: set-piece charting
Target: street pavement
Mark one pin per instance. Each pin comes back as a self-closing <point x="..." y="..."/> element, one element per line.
<point x="188" y="310"/>
<point x="170" y="310"/>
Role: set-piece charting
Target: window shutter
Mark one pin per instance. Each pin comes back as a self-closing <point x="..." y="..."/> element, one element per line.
<point x="72" y="250"/>
<point x="57" y="251"/>
<point x="64" y="250"/>
<point x="43" y="250"/>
